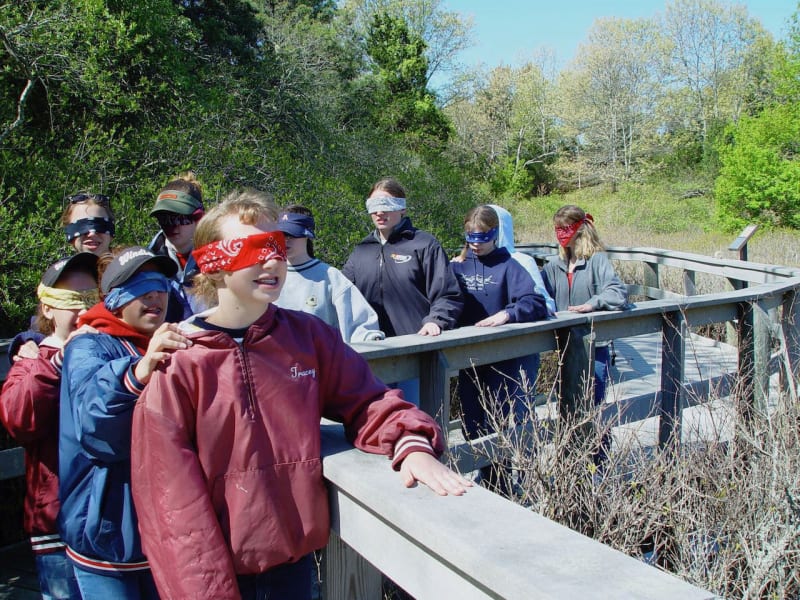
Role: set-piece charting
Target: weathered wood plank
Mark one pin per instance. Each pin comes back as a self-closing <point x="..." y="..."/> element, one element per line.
<point x="448" y="547"/>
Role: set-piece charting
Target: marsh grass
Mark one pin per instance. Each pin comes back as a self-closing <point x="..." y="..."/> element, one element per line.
<point x="723" y="512"/>
<point x="654" y="215"/>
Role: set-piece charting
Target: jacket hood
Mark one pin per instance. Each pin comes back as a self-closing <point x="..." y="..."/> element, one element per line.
<point x="505" y="232"/>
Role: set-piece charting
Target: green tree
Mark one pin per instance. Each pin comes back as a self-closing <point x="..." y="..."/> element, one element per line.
<point x="404" y="103"/>
<point x="759" y="179"/>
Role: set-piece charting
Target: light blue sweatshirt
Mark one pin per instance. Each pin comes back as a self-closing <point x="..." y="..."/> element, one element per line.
<point x="505" y="239"/>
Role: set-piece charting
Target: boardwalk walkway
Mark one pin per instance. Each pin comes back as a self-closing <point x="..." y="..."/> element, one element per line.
<point x="630" y="398"/>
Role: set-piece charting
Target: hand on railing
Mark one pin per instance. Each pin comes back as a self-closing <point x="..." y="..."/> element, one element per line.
<point x="425" y="468"/>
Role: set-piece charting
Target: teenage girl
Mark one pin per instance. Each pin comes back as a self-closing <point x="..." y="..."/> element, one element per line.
<point x="497" y="290"/>
<point x="582" y="279"/>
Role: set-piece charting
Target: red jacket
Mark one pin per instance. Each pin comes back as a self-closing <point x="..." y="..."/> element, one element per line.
<point x="29" y="411"/>
<point x="226" y="468"/>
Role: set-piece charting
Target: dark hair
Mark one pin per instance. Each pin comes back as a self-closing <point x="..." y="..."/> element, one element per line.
<point x="299" y="209"/>
<point x="390" y="185"/>
<point x="91" y="200"/>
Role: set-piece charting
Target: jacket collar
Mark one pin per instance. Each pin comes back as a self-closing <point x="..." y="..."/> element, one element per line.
<point x="404" y="230"/>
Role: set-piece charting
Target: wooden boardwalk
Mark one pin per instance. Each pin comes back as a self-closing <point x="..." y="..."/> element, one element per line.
<point x="630" y="401"/>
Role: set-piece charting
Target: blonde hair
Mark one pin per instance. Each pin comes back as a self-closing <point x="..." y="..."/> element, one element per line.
<point x="250" y="205"/>
<point x="587" y="241"/>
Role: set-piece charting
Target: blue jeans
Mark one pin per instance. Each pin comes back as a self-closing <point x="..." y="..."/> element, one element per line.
<point x="137" y="585"/>
<point x="291" y="581"/>
<point x="484" y="386"/>
<point x="602" y="357"/>
<point x="56" y="576"/>
<point x="410" y="389"/>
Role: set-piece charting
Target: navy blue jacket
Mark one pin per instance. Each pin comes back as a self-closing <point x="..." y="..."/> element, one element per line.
<point x="496" y="282"/>
<point x="406" y="280"/>
<point x="98" y="393"/>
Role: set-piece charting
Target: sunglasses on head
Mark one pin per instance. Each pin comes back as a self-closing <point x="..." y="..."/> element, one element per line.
<point x="100" y="199"/>
<point x="168" y="220"/>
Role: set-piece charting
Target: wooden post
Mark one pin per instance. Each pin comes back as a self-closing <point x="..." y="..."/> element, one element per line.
<point x="434" y="387"/>
<point x="790" y="325"/>
<point x="347" y="575"/>
<point x="689" y="285"/>
<point x="673" y="354"/>
<point x="576" y="377"/>
<point x="754" y="355"/>
<point x="651" y="278"/>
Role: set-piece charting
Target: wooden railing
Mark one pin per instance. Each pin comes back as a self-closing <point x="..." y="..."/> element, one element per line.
<point x="481" y="546"/>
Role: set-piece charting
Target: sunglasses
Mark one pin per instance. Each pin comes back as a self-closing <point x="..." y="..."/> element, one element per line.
<point x="169" y="220"/>
<point x="100" y="199"/>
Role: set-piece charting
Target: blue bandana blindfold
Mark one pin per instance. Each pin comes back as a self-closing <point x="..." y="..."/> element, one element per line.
<point x="481" y="237"/>
<point x="89" y="225"/>
<point x="140" y="284"/>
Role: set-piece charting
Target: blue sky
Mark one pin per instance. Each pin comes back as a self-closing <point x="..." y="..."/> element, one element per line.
<point x="509" y="31"/>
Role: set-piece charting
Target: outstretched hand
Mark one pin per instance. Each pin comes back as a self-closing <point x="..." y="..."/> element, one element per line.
<point x="164" y="342"/>
<point x="580" y="308"/>
<point x="499" y="318"/>
<point x="430" y="329"/>
<point x="424" y="468"/>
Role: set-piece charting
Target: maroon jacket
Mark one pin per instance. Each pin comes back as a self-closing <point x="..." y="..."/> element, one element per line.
<point x="226" y="468"/>
<point x="29" y="411"/>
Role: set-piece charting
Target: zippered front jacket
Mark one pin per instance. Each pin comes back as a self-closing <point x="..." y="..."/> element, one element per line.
<point x="29" y="412"/>
<point x="407" y="280"/>
<point x="98" y="392"/>
<point x="226" y="470"/>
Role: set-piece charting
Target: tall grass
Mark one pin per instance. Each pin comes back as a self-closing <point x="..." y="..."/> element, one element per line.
<point x="723" y="513"/>
<point x="654" y="215"/>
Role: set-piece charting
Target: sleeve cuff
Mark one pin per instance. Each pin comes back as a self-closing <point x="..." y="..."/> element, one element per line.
<point x="133" y="385"/>
<point x="408" y="444"/>
<point x="57" y="360"/>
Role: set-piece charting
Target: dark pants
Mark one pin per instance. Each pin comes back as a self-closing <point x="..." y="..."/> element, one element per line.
<point x="291" y="581"/>
<point x="502" y="389"/>
<point x="602" y="357"/>
<point x="498" y="387"/>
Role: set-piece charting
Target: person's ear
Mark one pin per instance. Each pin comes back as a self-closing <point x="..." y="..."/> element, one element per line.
<point x="47" y="312"/>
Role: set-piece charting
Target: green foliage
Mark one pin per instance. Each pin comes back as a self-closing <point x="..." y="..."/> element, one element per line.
<point x="759" y="181"/>
<point x="404" y="104"/>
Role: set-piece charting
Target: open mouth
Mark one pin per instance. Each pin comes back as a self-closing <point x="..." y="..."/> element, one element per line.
<point x="269" y="281"/>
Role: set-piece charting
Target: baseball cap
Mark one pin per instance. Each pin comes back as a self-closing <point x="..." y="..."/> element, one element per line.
<point x="296" y="225"/>
<point x="176" y="201"/>
<point x="125" y="265"/>
<point x="84" y="260"/>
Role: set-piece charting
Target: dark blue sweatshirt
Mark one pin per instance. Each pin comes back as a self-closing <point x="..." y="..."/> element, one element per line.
<point x="495" y="282"/>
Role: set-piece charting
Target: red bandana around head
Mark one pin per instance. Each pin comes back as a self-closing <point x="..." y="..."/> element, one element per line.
<point x="233" y="255"/>
<point x="567" y="232"/>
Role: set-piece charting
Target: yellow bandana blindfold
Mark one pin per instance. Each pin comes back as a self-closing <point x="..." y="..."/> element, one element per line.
<point x="67" y="299"/>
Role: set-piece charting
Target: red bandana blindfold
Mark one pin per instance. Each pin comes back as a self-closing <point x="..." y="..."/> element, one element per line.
<point x="565" y="233"/>
<point x="233" y="255"/>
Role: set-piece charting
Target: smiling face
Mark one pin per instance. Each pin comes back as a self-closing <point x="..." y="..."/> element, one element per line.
<point x="96" y="243"/>
<point x="147" y="312"/>
<point x="245" y="294"/>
